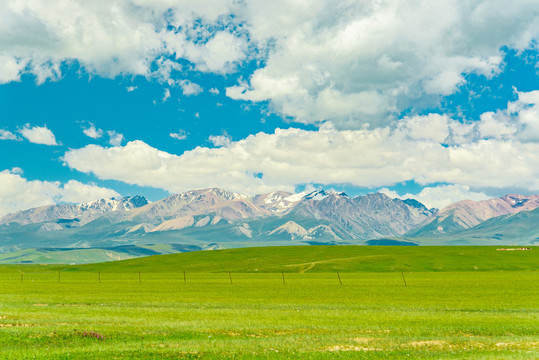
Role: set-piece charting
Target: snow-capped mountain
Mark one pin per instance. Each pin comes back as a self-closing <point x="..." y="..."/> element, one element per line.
<point x="467" y="213"/>
<point x="79" y="214"/>
<point x="220" y="218"/>
<point x="229" y="205"/>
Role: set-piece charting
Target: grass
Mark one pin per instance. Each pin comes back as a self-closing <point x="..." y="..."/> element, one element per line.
<point x="448" y="313"/>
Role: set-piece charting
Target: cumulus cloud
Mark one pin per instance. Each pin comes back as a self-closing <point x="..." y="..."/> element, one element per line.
<point x="219" y="54"/>
<point x="220" y="140"/>
<point x="76" y="192"/>
<point x="115" y="38"/>
<point x="350" y="63"/>
<point x="180" y="135"/>
<point x="38" y="135"/>
<point x="440" y="196"/>
<point x="7" y="135"/>
<point x="525" y="112"/>
<point x="18" y="193"/>
<point x="189" y="88"/>
<point x="382" y="156"/>
<point x="115" y="139"/>
<point x="379" y="56"/>
<point x="166" y="95"/>
<point x="92" y="132"/>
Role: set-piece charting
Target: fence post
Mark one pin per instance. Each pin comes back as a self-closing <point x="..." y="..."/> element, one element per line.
<point x="21" y="275"/>
<point x="282" y="272"/>
<point x="99" y="276"/>
<point x="339" y="276"/>
<point x="139" y="279"/>
<point x="230" y="276"/>
<point x="403" y="279"/>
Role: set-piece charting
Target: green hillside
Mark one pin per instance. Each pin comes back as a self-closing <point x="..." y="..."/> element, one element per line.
<point x="449" y="303"/>
<point x="91" y="255"/>
<point x="330" y="259"/>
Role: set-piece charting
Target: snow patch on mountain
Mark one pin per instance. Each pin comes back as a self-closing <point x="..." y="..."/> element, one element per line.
<point x="175" y="224"/>
<point x="292" y="228"/>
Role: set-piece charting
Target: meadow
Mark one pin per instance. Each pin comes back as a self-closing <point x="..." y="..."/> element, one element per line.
<point x="286" y="302"/>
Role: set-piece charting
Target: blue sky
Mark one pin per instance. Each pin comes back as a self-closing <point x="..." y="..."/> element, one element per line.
<point x="415" y="100"/>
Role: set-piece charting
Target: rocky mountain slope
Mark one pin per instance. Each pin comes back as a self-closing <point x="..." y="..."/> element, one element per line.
<point x="213" y="215"/>
<point x="73" y="214"/>
<point x="467" y="214"/>
<point x="216" y="218"/>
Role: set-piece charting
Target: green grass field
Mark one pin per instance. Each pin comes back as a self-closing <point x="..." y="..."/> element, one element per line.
<point x="458" y="303"/>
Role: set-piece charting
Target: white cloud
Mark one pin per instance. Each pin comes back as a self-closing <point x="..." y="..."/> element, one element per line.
<point x="93" y="132"/>
<point x="18" y="193"/>
<point x="350" y="63"/>
<point x="76" y="192"/>
<point x="180" y="135"/>
<point x="7" y="135"/>
<point x="525" y="112"/>
<point x="433" y="127"/>
<point x="115" y="139"/>
<point x="114" y="38"/>
<point x="354" y="62"/>
<point x="214" y="91"/>
<point x="220" y="54"/>
<point x="219" y="140"/>
<point x="11" y="68"/>
<point x="189" y="88"/>
<point x="17" y="170"/>
<point x="382" y="156"/>
<point x="38" y="135"/>
<point x="440" y="196"/>
<point x="131" y="88"/>
<point x="166" y="94"/>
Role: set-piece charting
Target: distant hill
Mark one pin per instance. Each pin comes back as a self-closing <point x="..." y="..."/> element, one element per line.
<point x="330" y="259"/>
<point x="521" y="228"/>
<point x="217" y="219"/>
<point x="467" y="214"/>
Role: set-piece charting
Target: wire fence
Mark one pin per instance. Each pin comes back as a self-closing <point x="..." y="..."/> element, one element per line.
<point x="186" y="277"/>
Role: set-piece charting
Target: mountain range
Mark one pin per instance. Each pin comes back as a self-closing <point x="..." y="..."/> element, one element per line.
<point x="217" y="218"/>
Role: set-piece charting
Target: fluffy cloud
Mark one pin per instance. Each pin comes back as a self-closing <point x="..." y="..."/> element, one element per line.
<point x="440" y="196"/>
<point x="350" y="63"/>
<point x="520" y="119"/>
<point x="76" y="192"/>
<point x="166" y="95"/>
<point x="115" y="138"/>
<point x="38" y="135"/>
<point x="7" y="135"/>
<point x="18" y="193"/>
<point x="180" y="135"/>
<point x="356" y="61"/>
<point x="220" y="140"/>
<point x="525" y="111"/>
<point x="114" y="38"/>
<point x="219" y="54"/>
<point x="93" y="132"/>
<point x="189" y="88"/>
<point x="376" y="157"/>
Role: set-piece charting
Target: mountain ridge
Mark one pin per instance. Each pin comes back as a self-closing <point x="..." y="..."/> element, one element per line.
<point x="217" y="218"/>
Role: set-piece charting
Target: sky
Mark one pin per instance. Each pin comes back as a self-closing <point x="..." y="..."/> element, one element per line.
<point x="436" y="101"/>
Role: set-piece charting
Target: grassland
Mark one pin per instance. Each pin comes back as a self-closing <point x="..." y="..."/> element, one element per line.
<point x="457" y="303"/>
